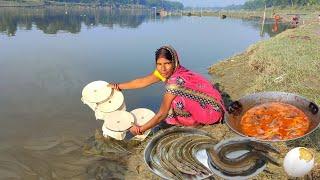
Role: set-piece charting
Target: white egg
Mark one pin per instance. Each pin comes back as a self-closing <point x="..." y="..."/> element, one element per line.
<point x="298" y="162"/>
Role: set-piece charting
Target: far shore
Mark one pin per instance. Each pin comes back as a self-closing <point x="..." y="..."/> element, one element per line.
<point x="306" y="14"/>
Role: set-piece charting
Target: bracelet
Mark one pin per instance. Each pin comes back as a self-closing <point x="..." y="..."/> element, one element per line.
<point x="116" y="86"/>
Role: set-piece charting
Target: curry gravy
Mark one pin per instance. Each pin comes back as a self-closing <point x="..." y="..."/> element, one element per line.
<point x="274" y="121"/>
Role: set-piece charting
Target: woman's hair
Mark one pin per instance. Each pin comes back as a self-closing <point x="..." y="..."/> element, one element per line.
<point x="163" y="53"/>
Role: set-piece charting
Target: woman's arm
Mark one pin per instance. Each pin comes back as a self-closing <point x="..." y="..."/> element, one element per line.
<point x="138" y="83"/>
<point x="161" y="115"/>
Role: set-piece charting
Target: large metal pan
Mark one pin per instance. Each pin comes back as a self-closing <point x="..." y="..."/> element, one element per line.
<point x="237" y="109"/>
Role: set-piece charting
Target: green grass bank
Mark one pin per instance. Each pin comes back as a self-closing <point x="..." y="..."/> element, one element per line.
<point x="306" y="14"/>
<point x="288" y="62"/>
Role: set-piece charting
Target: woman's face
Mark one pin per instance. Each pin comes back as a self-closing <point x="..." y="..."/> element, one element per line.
<point x="165" y="67"/>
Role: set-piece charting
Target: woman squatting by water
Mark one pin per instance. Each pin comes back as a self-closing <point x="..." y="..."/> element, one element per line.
<point x="189" y="99"/>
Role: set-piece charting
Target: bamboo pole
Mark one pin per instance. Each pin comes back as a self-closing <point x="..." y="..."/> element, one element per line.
<point x="263" y="20"/>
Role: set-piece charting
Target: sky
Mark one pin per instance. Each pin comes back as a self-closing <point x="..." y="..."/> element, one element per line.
<point x="209" y="3"/>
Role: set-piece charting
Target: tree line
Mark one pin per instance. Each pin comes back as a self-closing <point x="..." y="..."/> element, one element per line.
<point x="165" y="4"/>
<point x="256" y="4"/>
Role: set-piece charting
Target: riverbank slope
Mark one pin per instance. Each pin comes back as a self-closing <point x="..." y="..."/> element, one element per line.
<point x="288" y="62"/>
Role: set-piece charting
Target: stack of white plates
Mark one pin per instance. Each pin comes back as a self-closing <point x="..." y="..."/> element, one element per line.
<point x="109" y="105"/>
<point x="117" y="123"/>
<point x="102" y="99"/>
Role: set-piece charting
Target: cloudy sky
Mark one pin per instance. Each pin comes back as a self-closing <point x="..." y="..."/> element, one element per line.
<point x="209" y="3"/>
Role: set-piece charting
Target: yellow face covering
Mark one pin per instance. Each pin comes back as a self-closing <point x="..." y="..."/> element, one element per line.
<point x="158" y="75"/>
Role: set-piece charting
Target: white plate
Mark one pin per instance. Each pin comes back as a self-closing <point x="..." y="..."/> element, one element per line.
<point x="96" y="91"/>
<point x="113" y="103"/>
<point x="116" y="135"/>
<point x="142" y="116"/>
<point x="118" y="121"/>
<point x="102" y="115"/>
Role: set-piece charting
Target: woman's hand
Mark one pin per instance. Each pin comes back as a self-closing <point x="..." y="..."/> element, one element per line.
<point x="114" y="86"/>
<point x="136" y="130"/>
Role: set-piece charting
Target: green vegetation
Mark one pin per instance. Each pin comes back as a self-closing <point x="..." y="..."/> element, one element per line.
<point x="165" y="4"/>
<point x="288" y="62"/>
<point x="256" y="4"/>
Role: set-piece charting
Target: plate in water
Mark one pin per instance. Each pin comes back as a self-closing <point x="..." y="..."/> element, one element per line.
<point x="96" y="91"/>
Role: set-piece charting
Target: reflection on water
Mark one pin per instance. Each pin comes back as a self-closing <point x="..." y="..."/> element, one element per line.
<point x="69" y="19"/>
<point x="270" y="28"/>
<point x="50" y="20"/>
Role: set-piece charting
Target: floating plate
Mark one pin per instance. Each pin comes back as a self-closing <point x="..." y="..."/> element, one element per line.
<point x="113" y="103"/>
<point x="96" y="91"/>
<point x="102" y="115"/>
<point x="234" y="154"/>
<point x="116" y="135"/>
<point x="142" y="116"/>
<point x="118" y="121"/>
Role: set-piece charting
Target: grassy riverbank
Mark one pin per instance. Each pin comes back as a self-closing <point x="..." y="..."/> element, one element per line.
<point x="288" y="62"/>
<point x="307" y="14"/>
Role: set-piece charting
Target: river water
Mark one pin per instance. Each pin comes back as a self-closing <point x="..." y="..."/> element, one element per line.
<point x="47" y="55"/>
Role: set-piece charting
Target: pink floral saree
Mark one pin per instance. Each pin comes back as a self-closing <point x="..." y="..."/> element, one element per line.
<point x="196" y="102"/>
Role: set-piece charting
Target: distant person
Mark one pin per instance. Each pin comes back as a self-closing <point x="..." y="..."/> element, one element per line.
<point x="275" y="26"/>
<point x="295" y="21"/>
<point x="319" y="18"/>
<point x="189" y="99"/>
<point x="276" y="17"/>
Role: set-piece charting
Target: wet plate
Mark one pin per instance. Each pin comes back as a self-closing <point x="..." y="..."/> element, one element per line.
<point x="96" y="91"/>
<point x="113" y="103"/>
<point x="142" y="116"/>
<point x="118" y="121"/>
<point x="234" y="154"/>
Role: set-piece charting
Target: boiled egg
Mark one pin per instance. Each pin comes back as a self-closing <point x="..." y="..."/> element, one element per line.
<point x="298" y="162"/>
